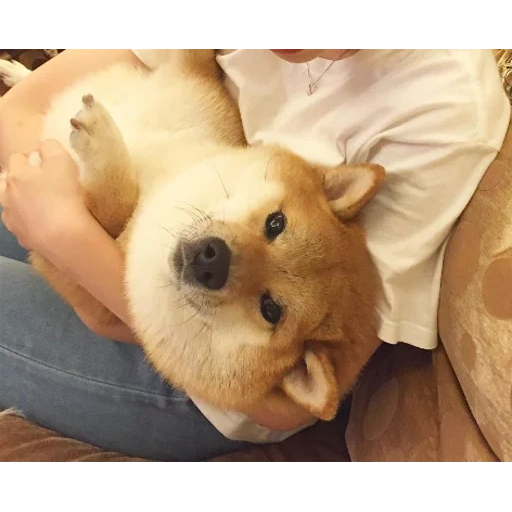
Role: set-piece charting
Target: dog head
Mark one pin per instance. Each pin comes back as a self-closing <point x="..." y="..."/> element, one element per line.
<point x="247" y="275"/>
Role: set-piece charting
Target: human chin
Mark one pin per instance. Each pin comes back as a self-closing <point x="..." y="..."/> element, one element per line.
<point x="297" y="56"/>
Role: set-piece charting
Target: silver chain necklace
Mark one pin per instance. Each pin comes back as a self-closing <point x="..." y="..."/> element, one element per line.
<point x="313" y="83"/>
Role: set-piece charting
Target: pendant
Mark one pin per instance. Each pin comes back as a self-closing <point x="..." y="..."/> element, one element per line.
<point x="311" y="89"/>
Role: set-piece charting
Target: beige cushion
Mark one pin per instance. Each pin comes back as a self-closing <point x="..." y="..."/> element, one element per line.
<point x="408" y="406"/>
<point x="23" y="441"/>
<point x="475" y="315"/>
<point x="411" y="405"/>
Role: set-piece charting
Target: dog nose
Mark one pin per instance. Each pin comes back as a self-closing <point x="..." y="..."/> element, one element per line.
<point x="210" y="263"/>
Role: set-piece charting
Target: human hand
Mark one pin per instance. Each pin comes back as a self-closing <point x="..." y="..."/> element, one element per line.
<point x="277" y="412"/>
<point x="40" y="199"/>
<point x="115" y="331"/>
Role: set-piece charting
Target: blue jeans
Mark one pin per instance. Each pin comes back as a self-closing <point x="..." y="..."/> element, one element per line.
<point x="63" y="377"/>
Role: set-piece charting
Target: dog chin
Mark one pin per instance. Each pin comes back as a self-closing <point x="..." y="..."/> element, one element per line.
<point x="155" y="287"/>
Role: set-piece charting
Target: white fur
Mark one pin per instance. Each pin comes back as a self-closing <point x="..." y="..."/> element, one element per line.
<point x="196" y="182"/>
<point x="138" y="107"/>
<point x="151" y="245"/>
<point x="12" y="412"/>
<point x="11" y="72"/>
<point x="161" y="124"/>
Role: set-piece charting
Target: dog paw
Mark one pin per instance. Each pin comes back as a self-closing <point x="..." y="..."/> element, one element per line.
<point x="12" y="412"/>
<point x="12" y="72"/>
<point x="90" y="127"/>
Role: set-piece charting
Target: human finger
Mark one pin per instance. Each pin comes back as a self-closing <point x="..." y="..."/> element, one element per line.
<point x="53" y="153"/>
<point x="49" y="148"/>
<point x="16" y="160"/>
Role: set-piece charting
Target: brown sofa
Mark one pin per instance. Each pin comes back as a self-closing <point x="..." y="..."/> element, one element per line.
<point x="451" y="404"/>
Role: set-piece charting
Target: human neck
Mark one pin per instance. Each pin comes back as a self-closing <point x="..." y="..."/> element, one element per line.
<point x="337" y="54"/>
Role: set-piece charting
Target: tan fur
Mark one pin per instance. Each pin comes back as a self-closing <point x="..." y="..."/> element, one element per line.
<point x="215" y="344"/>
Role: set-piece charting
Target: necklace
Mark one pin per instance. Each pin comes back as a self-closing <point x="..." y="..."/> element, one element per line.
<point x="313" y="83"/>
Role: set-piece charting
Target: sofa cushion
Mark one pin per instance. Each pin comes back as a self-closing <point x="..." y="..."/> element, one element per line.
<point x="22" y="441"/>
<point x="411" y="405"/>
<point x="408" y="406"/>
<point x="475" y="314"/>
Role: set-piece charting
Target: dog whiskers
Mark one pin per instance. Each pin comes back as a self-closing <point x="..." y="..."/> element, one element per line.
<point x="167" y="230"/>
<point x="188" y="232"/>
<point x="166" y="285"/>
<point x="202" y="213"/>
<point x="201" y="309"/>
<point x="191" y="213"/>
<point x="268" y="165"/>
<point x="211" y="327"/>
<point x="199" y="218"/>
<point x="188" y="299"/>
<point x="205" y="325"/>
<point x="222" y="183"/>
<point x="197" y="311"/>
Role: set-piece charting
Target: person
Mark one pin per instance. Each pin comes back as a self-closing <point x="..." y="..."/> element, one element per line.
<point x="435" y="119"/>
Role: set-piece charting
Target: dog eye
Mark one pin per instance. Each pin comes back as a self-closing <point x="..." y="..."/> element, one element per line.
<point x="274" y="225"/>
<point x="270" y="310"/>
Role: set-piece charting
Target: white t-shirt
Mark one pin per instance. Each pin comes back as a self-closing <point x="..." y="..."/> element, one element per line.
<point x="435" y="119"/>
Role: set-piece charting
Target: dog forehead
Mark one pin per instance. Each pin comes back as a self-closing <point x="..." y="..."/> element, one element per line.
<point x="249" y="194"/>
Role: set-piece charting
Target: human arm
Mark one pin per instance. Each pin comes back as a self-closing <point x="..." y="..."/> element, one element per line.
<point x="77" y="240"/>
<point x="22" y="108"/>
<point x="43" y="206"/>
<point x="86" y="253"/>
<point x="44" y="209"/>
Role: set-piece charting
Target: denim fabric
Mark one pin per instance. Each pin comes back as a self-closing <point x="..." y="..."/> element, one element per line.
<point x="63" y="377"/>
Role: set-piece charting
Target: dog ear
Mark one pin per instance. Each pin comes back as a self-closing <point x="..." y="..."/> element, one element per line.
<point x="312" y="384"/>
<point x="349" y="187"/>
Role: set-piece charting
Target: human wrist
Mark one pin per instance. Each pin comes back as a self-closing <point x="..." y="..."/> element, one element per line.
<point x="71" y="230"/>
<point x="19" y="128"/>
<point x="81" y="249"/>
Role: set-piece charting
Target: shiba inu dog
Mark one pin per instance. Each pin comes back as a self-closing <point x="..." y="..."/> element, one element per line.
<point x="247" y="273"/>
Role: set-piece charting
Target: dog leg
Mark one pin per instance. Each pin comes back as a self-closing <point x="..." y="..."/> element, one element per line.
<point x="201" y="63"/>
<point x="109" y="178"/>
<point x="12" y="412"/>
<point x="12" y="72"/>
<point x="111" y="195"/>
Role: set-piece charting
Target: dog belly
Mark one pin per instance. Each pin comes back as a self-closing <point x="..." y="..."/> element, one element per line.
<point x="148" y="115"/>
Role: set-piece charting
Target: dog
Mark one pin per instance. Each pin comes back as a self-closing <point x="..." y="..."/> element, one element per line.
<point x="11" y="68"/>
<point x="247" y="273"/>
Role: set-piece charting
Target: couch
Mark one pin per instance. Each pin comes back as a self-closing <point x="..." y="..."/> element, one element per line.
<point x="450" y="404"/>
